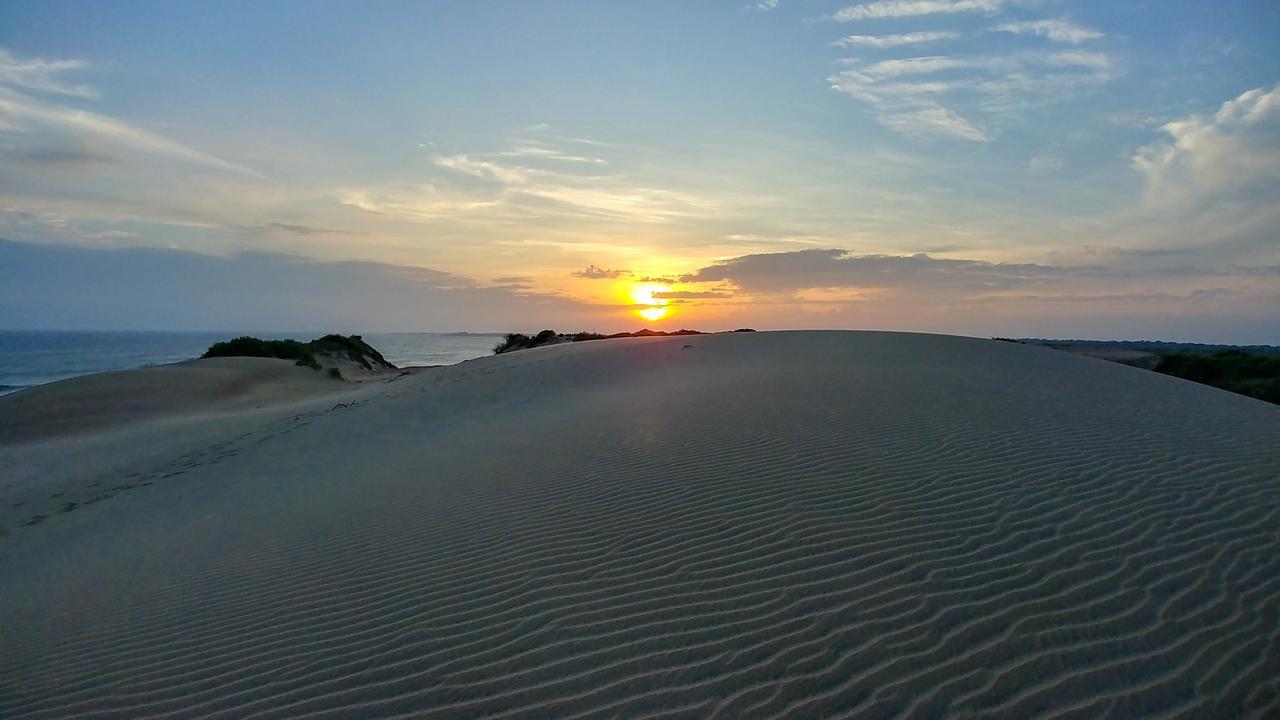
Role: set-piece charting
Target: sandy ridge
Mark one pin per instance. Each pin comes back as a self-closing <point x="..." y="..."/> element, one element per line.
<point x="792" y="524"/>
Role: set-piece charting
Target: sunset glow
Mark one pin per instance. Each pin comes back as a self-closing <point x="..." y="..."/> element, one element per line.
<point x="655" y="308"/>
<point x="652" y="314"/>
<point x="973" y="167"/>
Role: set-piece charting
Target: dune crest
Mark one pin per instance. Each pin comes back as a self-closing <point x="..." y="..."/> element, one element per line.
<point x="793" y="524"/>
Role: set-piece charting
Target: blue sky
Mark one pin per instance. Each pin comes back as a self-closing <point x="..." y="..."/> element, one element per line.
<point x="1090" y="169"/>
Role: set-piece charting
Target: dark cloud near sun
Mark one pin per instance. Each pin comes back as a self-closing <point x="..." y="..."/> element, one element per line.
<point x="834" y="268"/>
<point x="693" y="295"/>
<point x="595" y="272"/>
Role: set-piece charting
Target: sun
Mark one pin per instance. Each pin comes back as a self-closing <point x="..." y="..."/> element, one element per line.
<point x="652" y="308"/>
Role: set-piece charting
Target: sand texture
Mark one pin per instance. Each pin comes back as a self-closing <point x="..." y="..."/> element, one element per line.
<point x="756" y="525"/>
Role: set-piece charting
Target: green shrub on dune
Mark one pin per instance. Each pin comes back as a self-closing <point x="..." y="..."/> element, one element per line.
<point x="246" y="346"/>
<point x="329" y="347"/>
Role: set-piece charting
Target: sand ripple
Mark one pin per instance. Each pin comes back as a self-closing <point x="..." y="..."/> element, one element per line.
<point x="779" y="525"/>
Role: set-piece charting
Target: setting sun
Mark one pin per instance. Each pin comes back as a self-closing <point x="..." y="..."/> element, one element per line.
<point x="644" y="295"/>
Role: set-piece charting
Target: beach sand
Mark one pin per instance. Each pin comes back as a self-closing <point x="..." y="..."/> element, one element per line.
<point x="792" y="524"/>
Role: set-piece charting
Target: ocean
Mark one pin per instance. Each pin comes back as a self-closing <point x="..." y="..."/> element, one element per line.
<point x="29" y="358"/>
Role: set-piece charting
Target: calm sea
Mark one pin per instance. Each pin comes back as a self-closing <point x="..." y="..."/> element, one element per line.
<point x="35" y="358"/>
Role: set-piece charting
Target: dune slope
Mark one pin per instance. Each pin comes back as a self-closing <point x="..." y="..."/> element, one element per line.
<point x="751" y="525"/>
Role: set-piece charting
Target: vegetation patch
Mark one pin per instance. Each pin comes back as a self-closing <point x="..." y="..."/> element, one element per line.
<point x="1248" y="373"/>
<point x="309" y="354"/>
<point x="246" y="346"/>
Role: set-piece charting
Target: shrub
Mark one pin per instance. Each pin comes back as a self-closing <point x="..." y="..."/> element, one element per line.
<point x="352" y="348"/>
<point x="1248" y="373"/>
<point x="512" y="341"/>
<point x="246" y="346"/>
<point x="335" y="373"/>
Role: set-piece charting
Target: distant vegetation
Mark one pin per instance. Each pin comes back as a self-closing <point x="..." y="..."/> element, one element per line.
<point x="1252" y="370"/>
<point x="309" y="354"/>
<point x="1248" y="373"/>
<point x="518" y="341"/>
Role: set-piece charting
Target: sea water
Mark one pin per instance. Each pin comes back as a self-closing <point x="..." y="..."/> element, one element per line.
<point x="29" y="358"/>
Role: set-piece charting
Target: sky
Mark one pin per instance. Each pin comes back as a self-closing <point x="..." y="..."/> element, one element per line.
<point x="1028" y="168"/>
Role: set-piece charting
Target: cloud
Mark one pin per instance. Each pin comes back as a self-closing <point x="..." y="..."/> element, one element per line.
<point x="934" y="120"/>
<point x="303" y="230"/>
<point x="1056" y="30"/>
<point x="594" y="272"/>
<point x="19" y="110"/>
<point x="421" y="203"/>
<point x="693" y="295"/>
<point x="533" y="151"/>
<point x="58" y="286"/>
<point x="1044" y="164"/>
<point x="836" y="288"/>
<point x="42" y="75"/>
<point x="1234" y="152"/>
<point x="913" y="8"/>
<point x="44" y="224"/>
<point x="888" y="41"/>
<point x="606" y="197"/>
<point x="954" y="90"/>
<point x="658" y="279"/>
<point x="72" y="154"/>
<point x="766" y="5"/>
<point x="1109" y="250"/>
<point x="1213" y="182"/>
<point x="931" y="64"/>
<point x="510" y="175"/>
<point x="802" y="269"/>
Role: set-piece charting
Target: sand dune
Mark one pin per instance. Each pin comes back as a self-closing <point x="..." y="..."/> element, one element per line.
<point x="741" y="526"/>
<point x="112" y="400"/>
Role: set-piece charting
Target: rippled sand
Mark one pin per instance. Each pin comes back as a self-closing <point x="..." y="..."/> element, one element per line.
<point x="743" y="526"/>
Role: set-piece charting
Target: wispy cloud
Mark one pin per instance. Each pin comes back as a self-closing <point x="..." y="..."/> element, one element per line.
<point x="526" y="182"/>
<point x="926" y="65"/>
<point x="42" y="75"/>
<point x="1044" y="164"/>
<point x="533" y="151"/>
<point x="934" y="120"/>
<point x="1056" y="30"/>
<point x="295" y="229"/>
<point x="417" y="203"/>
<point x="602" y="196"/>
<point x="967" y="87"/>
<point x="19" y="112"/>
<point x="913" y="8"/>
<point x="888" y="41"/>
<point x="766" y="5"/>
